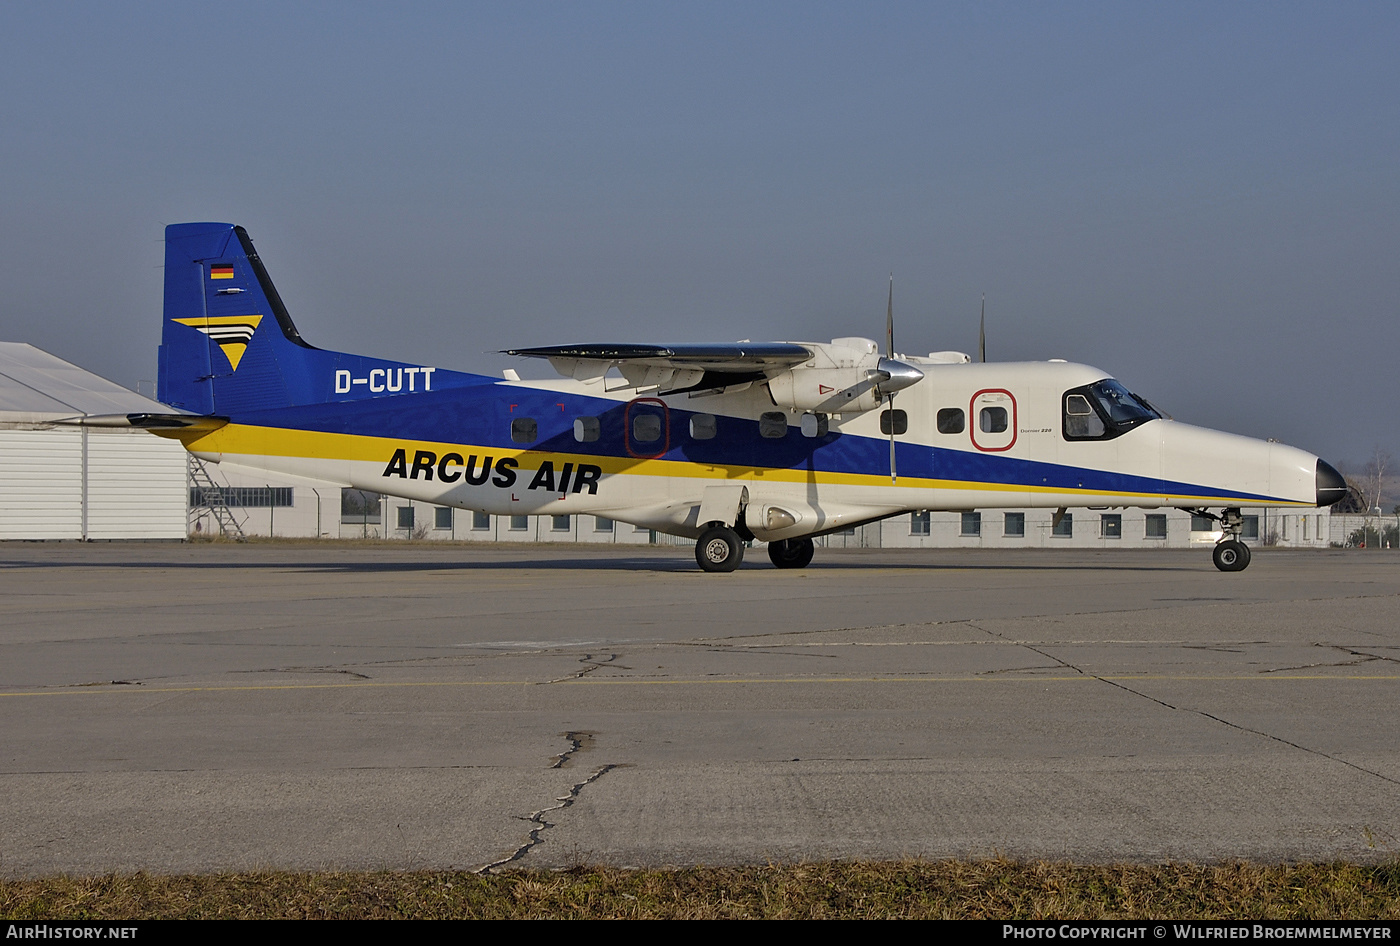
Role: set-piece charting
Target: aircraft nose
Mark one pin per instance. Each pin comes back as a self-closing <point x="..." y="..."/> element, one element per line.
<point x="1331" y="485"/>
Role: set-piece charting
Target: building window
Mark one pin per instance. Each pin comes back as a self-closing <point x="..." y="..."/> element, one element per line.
<point x="1156" y="526"/>
<point x="481" y="521"/>
<point x="405" y="517"/>
<point x="950" y="420"/>
<point x="524" y="430"/>
<point x="519" y="523"/>
<point x="918" y="523"/>
<point x="1111" y="526"/>
<point x="1251" y="528"/>
<point x="1065" y="527"/>
<point x="259" y="497"/>
<point x="559" y="523"/>
<point x="442" y="517"/>
<point x="1203" y="524"/>
<point x="357" y="505"/>
<point x="1015" y="526"/>
<point x="972" y="523"/>
<point x="602" y="524"/>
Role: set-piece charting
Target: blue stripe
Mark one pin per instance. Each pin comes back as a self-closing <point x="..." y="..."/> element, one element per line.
<point x="483" y="419"/>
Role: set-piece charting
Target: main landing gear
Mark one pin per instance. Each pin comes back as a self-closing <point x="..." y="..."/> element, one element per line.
<point x="719" y="549"/>
<point x="1230" y="554"/>
<point x="791" y="553"/>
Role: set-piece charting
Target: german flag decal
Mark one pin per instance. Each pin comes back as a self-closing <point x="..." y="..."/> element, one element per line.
<point x="231" y="333"/>
<point x="221" y="271"/>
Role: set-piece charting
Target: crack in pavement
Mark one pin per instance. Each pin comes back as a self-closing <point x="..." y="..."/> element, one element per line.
<point x="590" y="665"/>
<point x="1221" y="720"/>
<point x="349" y="673"/>
<point x="580" y="742"/>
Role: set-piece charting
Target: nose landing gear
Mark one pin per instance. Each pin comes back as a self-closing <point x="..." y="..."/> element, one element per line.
<point x="1230" y="554"/>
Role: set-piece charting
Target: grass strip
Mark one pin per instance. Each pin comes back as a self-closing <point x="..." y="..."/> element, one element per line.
<point x="990" y="889"/>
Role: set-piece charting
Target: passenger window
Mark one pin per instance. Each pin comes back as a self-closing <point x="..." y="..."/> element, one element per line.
<point x="772" y="425"/>
<point x="950" y="420"/>
<point x="646" y="428"/>
<point x="586" y="429"/>
<point x="524" y="430"/>
<point x="703" y="427"/>
<point x="992" y="420"/>
<point x="894" y="422"/>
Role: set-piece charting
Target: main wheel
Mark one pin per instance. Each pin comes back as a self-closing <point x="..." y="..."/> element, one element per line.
<point x="1231" y="556"/>
<point x="791" y="553"/>
<point x="719" y="550"/>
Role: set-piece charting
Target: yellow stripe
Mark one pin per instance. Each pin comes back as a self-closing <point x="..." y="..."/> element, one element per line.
<point x="206" y="321"/>
<point x="242" y="439"/>
<point x="707" y="681"/>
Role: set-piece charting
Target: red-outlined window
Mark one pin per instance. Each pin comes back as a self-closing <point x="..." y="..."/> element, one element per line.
<point x="641" y="449"/>
<point x="992" y="441"/>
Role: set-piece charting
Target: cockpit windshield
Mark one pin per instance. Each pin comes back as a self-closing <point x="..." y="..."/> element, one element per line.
<point x="1121" y="405"/>
<point x="1103" y="410"/>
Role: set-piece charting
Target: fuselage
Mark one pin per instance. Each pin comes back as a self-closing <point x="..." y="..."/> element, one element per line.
<point x="566" y="447"/>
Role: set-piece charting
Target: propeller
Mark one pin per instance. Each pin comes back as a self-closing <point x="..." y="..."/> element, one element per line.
<point x="982" y="333"/>
<point x="889" y="356"/>
<point x="891" y="375"/>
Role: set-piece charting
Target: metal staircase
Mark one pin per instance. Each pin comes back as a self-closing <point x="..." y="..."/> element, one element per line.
<point x="211" y="495"/>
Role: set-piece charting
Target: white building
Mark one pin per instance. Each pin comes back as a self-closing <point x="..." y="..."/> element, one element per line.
<point x="69" y="482"/>
<point x="265" y="505"/>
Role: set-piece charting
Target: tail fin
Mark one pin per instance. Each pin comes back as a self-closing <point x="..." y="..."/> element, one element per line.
<point x="229" y="346"/>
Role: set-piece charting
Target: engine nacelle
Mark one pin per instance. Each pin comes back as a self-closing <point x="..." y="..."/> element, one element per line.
<point x="827" y="390"/>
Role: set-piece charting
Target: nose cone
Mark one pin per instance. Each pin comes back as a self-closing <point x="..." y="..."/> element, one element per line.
<point x="1331" y="485"/>
<point x="892" y="375"/>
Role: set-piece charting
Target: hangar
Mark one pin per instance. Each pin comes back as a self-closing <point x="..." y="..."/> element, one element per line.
<point x="85" y="483"/>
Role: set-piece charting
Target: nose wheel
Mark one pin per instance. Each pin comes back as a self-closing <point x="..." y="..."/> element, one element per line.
<point x="1230" y="554"/>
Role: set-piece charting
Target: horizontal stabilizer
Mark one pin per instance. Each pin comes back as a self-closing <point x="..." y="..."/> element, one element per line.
<point x="192" y="422"/>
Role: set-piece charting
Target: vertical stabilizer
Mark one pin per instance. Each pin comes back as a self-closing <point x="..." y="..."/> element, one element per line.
<point x="228" y="345"/>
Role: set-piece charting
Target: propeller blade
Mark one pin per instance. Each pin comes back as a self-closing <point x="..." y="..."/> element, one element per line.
<point x="982" y="333"/>
<point x="894" y="475"/>
<point x="889" y="321"/>
<point x="889" y="354"/>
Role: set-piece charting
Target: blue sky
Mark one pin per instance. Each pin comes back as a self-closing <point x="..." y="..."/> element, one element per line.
<point x="1200" y="199"/>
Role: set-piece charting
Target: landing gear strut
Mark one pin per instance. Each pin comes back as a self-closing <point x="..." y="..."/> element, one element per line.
<point x="791" y="553"/>
<point x="719" y="549"/>
<point x="1230" y="554"/>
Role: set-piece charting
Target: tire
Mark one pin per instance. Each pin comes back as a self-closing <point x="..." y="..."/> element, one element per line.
<point x="1231" y="556"/>
<point x="791" y="553"/>
<point x="719" y="549"/>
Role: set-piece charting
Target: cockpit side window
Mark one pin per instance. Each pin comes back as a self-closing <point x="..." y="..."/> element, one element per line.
<point x="1103" y="410"/>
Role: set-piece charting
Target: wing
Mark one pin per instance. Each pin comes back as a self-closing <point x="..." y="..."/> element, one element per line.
<point x="673" y="368"/>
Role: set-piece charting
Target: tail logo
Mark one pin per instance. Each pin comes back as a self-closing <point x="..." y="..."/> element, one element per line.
<point x="231" y="333"/>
